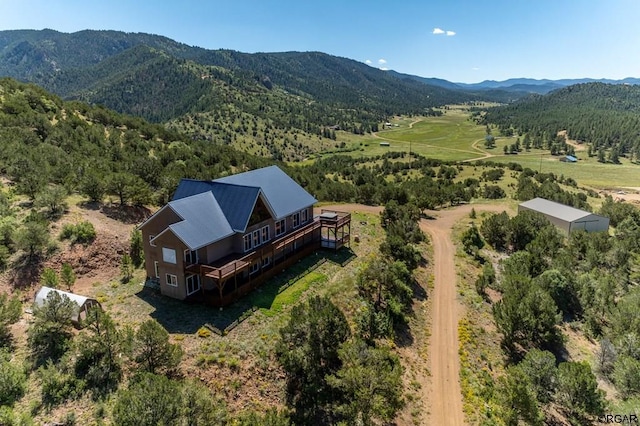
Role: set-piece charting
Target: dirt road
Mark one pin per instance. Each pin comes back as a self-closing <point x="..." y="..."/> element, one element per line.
<point x="445" y="397"/>
<point x="444" y="394"/>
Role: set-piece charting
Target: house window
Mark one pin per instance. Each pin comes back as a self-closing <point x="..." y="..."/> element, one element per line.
<point x="281" y="227"/>
<point x="266" y="261"/>
<point x="305" y="215"/>
<point x="265" y="234"/>
<point x="151" y="237"/>
<point x="296" y="219"/>
<point x="255" y="267"/>
<point x="193" y="284"/>
<point x="247" y="242"/>
<point x="156" y="269"/>
<point x="190" y="257"/>
<point x="169" y="255"/>
<point x="172" y="280"/>
<point x="256" y="238"/>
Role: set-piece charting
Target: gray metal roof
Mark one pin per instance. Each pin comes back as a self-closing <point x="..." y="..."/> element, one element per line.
<point x="551" y="208"/>
<point x="43" y="293"/>
<point x="213" y="210"/>
<point x="282" y="193"/>
<point x="203" y="222"/>
<point x="237" y="203"/>
<point x="189" y="187"/>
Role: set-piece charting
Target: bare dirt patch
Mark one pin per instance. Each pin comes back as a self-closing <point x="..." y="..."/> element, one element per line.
<point x="98" y="261"/>
<point x="574" y="143"/>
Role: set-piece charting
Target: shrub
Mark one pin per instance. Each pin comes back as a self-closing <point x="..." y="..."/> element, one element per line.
<point x="626" y="375"/>
<point x="50" y="278"/>
<point x="82" y="232"/>
<point x="58" y="385"/>
<point x="204" y="332"/>
<point x="12" y="381"/>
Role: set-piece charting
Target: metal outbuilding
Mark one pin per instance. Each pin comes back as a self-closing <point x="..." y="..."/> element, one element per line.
<point x="84" y="303"/>
<point x="566" y="218"/>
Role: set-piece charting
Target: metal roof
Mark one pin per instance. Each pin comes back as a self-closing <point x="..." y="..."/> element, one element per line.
<point x="553" y="209"/>
<point x="237" y="202"/>
<point x="282" y="193"/>
<point x="203" y="222"/>
<point x="43" y="293"/>
<point x="189" y="187"/>
<point x="213" y="210"/>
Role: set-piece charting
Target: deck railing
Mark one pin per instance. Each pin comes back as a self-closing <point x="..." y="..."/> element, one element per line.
<point x="274" y="248"/>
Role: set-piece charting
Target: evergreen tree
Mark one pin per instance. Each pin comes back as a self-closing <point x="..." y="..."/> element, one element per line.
<point x="370" y="382"/>
<point x="152" y="350"/>
<point x="308" y="352"/>
<point x="10" y="310"/>
<point x="50" y="333"/>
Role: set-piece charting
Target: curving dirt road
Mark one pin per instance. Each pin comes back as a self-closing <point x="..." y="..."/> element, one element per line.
<point x="444" y="396"/>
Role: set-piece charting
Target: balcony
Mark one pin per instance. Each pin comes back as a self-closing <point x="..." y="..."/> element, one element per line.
<point x="233" y="276"/>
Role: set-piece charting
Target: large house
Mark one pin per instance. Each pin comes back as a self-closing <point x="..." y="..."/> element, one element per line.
<point x="217" y="240"/>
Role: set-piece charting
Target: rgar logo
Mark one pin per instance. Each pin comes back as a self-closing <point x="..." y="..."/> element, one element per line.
<point x="624" y="419"/>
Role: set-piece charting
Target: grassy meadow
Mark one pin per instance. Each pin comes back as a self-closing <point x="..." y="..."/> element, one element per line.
<point x="454" y="137"/>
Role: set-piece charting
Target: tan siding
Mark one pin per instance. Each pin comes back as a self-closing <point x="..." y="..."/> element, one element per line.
<point x="218" y="250"/>
<point x="154" y="226"/>
<point x="169" y="240"/>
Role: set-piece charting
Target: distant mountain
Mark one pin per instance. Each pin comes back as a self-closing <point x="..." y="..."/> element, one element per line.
<point x="431" y="81"/>
<point x="531" y="85"/>
<point x="284" y="105"/>
<point x="123" y="70"/>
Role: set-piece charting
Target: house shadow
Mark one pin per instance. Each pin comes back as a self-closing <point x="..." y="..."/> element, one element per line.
<point x="182" y="317"/>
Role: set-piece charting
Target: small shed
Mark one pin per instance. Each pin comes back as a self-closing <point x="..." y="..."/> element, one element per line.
<point x="569" y="159"/>
<point x="384" y="144"/>
<point x="84" y="303"/>
<point x="566" y="218"/>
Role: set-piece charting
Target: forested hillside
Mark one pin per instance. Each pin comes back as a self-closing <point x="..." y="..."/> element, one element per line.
<point x="72" y="65"/>
<point x="603" y="115"/>
<point x="279" y="105"/>
<point x="96" y="151"/>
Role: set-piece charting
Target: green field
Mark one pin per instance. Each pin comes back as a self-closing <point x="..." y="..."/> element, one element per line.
<point x="454" y="137"/>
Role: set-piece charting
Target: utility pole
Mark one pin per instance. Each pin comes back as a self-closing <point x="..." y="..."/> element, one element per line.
<point x="540" y="169"/>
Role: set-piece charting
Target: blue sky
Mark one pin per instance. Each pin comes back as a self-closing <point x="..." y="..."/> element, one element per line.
<point x="462" y="41"/>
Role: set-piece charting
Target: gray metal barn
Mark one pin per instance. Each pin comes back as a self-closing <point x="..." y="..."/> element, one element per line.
<point x="566" y="218"/>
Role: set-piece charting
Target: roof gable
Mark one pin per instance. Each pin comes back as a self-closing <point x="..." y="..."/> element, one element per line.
<point x="282" y="194"/>
<point x="237" y="202"/>
<point x="203" y="220"/>
<point x="213" y="210"/>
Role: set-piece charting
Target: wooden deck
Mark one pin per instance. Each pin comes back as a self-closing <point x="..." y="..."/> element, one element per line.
<point x="236" y="275"/>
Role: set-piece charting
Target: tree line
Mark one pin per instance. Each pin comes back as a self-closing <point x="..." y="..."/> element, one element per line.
<point x="605" y="116"/>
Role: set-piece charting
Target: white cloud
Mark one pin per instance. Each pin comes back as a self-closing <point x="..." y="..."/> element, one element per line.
<point x="438" y="31"/>
<point x="384" y="69"/>
<point x="475" y="69"/>
<point x="382" y="61"/>
<point x="368" y="62"/>
<point x="451" y="33"/>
